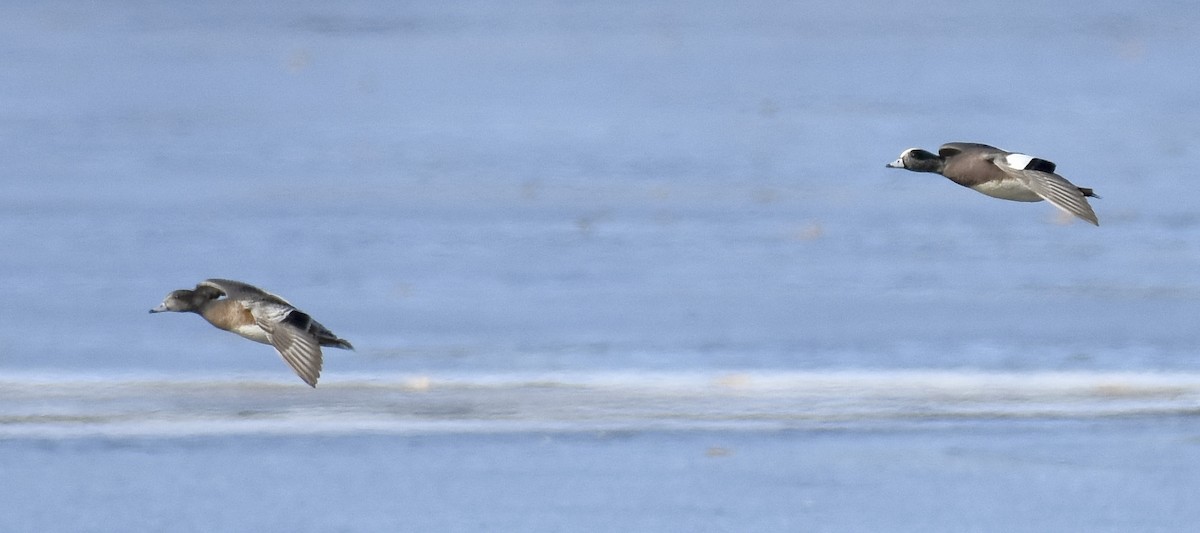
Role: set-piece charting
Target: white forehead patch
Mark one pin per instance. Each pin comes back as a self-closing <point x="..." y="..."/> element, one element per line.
<point x="1018" y="161"/>
<point x="905" y="153"/>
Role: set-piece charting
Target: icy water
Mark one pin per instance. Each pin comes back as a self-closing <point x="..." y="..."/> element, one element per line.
<point x="622" y="266"/>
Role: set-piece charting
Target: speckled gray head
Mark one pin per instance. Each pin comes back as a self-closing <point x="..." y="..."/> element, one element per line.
<point x="176" y="301"/>
<point x="184" y="301"/>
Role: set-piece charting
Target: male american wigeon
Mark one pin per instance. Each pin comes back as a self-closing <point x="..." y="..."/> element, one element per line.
<point x="261" y="317"/>
<point x="1001" y="174"/>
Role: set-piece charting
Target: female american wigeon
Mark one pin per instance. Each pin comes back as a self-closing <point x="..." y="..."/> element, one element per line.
<point x="261" y="317"/>
<point x="1001" y="174"/>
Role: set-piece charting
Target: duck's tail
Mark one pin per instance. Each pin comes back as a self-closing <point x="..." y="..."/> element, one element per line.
<point x="337" y="343"/>
<point x="322" y="333"/>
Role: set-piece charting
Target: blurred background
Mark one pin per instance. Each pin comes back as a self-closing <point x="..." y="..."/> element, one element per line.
<point x="633" y="194"/>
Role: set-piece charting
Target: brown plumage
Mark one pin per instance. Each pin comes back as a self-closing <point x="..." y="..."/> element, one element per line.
<point x="1001" y="174"/>
<point x="260" y="316"/>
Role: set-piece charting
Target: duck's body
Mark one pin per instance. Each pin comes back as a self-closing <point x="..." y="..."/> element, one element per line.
<point x="1001" y="174"/>
<point x="260" y="316"/>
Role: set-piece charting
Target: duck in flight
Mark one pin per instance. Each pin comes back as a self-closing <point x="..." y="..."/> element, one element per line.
<point x="1001" y="174"/>
<point x="260" y="316"/>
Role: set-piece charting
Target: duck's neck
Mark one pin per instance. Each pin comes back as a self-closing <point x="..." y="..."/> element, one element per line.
<point x="935" y="165"/>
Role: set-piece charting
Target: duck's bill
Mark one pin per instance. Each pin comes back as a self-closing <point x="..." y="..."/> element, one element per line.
<point x="160" y="309"/>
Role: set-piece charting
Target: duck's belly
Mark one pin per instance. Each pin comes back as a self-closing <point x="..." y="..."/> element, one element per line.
<point x="1008" y="190"/>
<point x="252" y="332"/>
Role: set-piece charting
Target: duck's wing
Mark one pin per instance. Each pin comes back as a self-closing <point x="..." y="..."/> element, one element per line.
<point x="241" y="291"/>
<point x="288" y="331"/>
<point x="1056" y="190"/>
<point x="955" y="148"/>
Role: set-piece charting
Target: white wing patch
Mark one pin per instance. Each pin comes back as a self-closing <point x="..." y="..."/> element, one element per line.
<point x="1018" y="161"/>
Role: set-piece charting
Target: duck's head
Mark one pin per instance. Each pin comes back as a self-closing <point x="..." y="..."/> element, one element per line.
<point x="918" y="160"/>
<point x="184" y="300"/>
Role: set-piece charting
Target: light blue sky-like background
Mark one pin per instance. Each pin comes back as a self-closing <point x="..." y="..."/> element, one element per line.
<point x="548" y="185"/>
<point x="626" y="197"/>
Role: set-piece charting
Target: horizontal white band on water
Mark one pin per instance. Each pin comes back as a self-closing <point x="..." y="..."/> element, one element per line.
<point x="67" y="406"/>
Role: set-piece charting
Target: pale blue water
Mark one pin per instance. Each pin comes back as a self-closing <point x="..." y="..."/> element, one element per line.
<point x="555" y="195"/>
<point x="1014" y="476"/>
